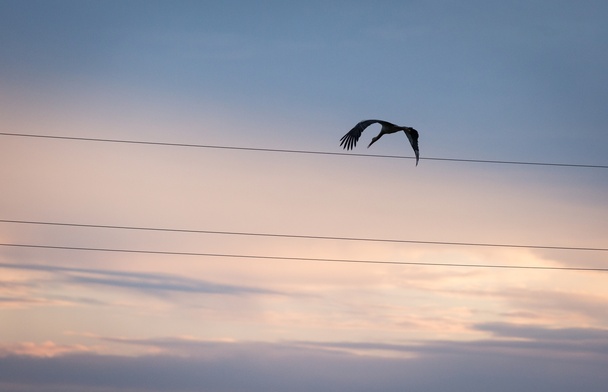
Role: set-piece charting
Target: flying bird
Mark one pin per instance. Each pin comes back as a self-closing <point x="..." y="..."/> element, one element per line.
<point x="349" y="140"/>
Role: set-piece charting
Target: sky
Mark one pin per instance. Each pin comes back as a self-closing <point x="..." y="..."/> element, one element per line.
<point x="156" y="267"/>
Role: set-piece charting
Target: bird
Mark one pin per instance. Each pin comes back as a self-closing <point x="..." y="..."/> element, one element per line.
<point x="349" y="140"/>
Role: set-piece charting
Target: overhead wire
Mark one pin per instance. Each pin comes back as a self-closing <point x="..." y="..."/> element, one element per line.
<point x="169" y="144"/>
<point x="289" y="151"/>
<point x="299" y="236"/>
<point x="290" y="258"/>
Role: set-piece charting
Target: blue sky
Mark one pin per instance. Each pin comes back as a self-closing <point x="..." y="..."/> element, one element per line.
<point x="512" y="81"/>
<point x="485" y="66"/>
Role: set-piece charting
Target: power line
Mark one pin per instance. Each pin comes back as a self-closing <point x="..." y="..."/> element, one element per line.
<point x="142" y="142"/>
<point x="296" y="236"/>
<point x="265" y="257"/>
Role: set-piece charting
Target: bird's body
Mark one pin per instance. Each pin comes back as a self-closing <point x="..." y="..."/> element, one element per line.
<point x="349" y="140"/>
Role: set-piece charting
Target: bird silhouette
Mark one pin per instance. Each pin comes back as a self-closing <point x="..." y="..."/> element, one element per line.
<point x="349" y="140"/>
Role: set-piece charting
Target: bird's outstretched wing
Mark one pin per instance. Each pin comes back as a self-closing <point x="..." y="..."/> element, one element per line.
<point x="349" y="140"/>
<point x="412" y="135"/>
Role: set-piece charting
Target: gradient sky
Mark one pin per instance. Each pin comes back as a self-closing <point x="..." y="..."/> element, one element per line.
<point x="481" y="80"/>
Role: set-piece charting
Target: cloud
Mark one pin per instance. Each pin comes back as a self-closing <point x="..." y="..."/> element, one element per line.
<point x="45" y="349"/>
<point x="303" y="366"/>
<point x="149" y="283"/>
<point x="506" y="340"/>
<point x="567" y="304"/>
<point x="597" y="336"/>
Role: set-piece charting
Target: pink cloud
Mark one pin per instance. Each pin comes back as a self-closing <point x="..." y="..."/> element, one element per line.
<point x="45" y="349"/>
